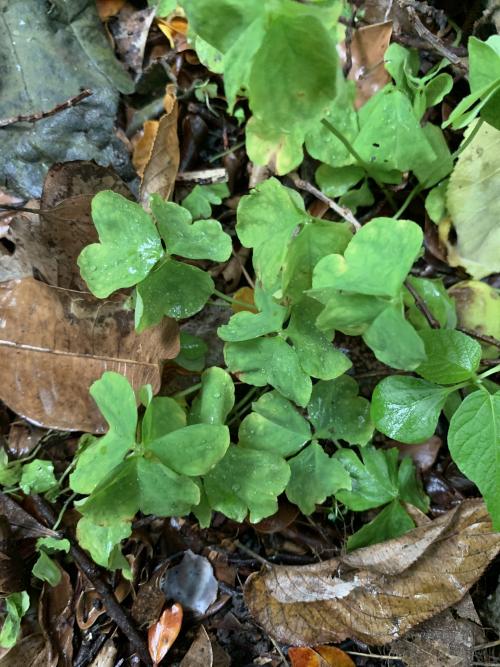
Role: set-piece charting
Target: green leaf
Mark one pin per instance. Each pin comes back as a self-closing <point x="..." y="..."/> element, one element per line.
<point x="323" y="144"/>
<point x="349" y="313"/>
<point x="474" y="443"/>
<point x="390" y="135"/>
<point x="116" y="401"/>
<point x="199" y="201"/>
<point x="266" y="220"/>
<point x="209" y="56"/>
<point x="377" y="260"/>
<point x="437" y="300"/>
<point x="193" y="450"/>
<point x="203" y="239"/>
<point x="129" y="245"/>
<point x="10" y="471"/>
<point x="338" y="413"/>
<point x="203" y="511"/>
<point x="37" y="477"/>
<point x="312" y="243"/>
<point x="173" y="290"/>
<point x="46" y="569"/>
<point x="407" y="409"/>
<point x="163" y="7"/>
<point x="394" y="341"/>
<point x="374" y="477"/>
<point x="315" y="350"/>
<point x="274" y="426"/>
<point x="452" y="356"/>
<point x="336" y="181"/>
<point x="402" y="63"/>
<point x="441" y="164"/>
<point x="484" y="70"/>
<point x="215" y="400"/>
<point x="140" y="484"/>
<point x="410" y="486"/>
<point x="53" y="544"/>
<point x="314" y="477"/>
<point x="163" y="415"/>
<point x="246" y="325"/>
<point x="473" y="203"/>
<point x="298" y="62"/>
<point x="16" y="605"/>
<point x="193" y="352"/>
<point x="279" y="148"/>
<point x="391" y="522"/>
<point x="435" y="202"/>
<point x="358" y="197"/>
<point x="102" y="541"/>
<point x="247" y="480"/>
<point x="270" y="361"/>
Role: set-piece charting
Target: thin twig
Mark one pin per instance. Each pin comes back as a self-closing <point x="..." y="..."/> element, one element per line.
<point x="244" y="270"/>
<point x="436" y="44"/>
<point x="203" y="176"/>
<point x="490" y="340"/>
<point x="345" y="213"/>
<point x="94" y="575"/>
<point x="33" y="117"/>
<point x="252" y="553"/>
<point x="422" y="306"/>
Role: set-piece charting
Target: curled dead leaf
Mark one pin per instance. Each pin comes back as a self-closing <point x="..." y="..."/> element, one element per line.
<point x="200" y="652"/>
<point x="55" y="343"/>
<point x="378" y="593"/>
<point x="163" y="633"/>
<point x="162" y="165"/>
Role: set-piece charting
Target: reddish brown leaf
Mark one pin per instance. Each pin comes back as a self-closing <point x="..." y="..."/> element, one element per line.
<point x="66" y="340"/>
<point x="335" y="657"/>
<point x="378" y="593"/>
<point x="305" y="657"/>
<point x="200" y="653"/>
<point x="163" y="633"/>
<point x="244" y="295"/>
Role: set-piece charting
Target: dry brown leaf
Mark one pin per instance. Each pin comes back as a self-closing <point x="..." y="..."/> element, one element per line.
<point x="106" y="656"/>
<point x="14" y="574"/>
<point x="130" y="32"/>
<point x="319" y="656"/>
<point x="56" y="617"/>
<point x="200" y="653"/>
<point x="443" y="641"/>
<point x="31" y="651"/>
<point x="55" y="343"/>
<point x="378" y="593"/>
<point x="108" y="8"/>
<point x="244" y="295"/>
<point x="163" y="633"/>
<point x="368" y="46"/>
<point x="144" y="145"/>
<point x="163" y="163"/>
<point x="172" y="27"/>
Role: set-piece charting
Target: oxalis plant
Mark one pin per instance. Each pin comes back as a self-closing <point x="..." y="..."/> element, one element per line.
<point x="301" y="429"/>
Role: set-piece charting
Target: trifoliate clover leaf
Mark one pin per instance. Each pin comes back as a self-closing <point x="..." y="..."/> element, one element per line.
<point x="245" y="325"/>
<point x="351" y="314"/>
<point x="215" y="399"/>
<point x="270" y="361"/>
<point x="338" y="413"/>
<point x="204" y="239"/>
<point x="314" y="477"/>
<point x="452" y="356"/>
<point x="115" y="399"/>
<point x="316" y="353"/>
<point x="474" y="442"/>
<point x="274" y="425"/>
<point x="376" y="261"/>
<point x="129" y="245"/>
<point x="267" y="218"/>
<point x="247" y="480"/>
<point x="163" y="415"/>
<point x="199" y="201"/>
<point x="193" y="450"/>
<point x="140" y="484"/>
<point x="312" y="243"/>
<point x="37" y="477"/>
<point x="172" y="289"/>
<point x="407" y="409"/>
<point x="102" y="541"/>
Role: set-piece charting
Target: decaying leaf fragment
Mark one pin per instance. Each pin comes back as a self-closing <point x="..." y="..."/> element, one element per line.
<point x="54" y="343"/>
<point x="378" y="593"/>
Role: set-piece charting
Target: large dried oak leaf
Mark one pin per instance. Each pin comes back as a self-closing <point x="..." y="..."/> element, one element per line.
<point x="378" y="593"/>
<point x="54" y="343"/>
